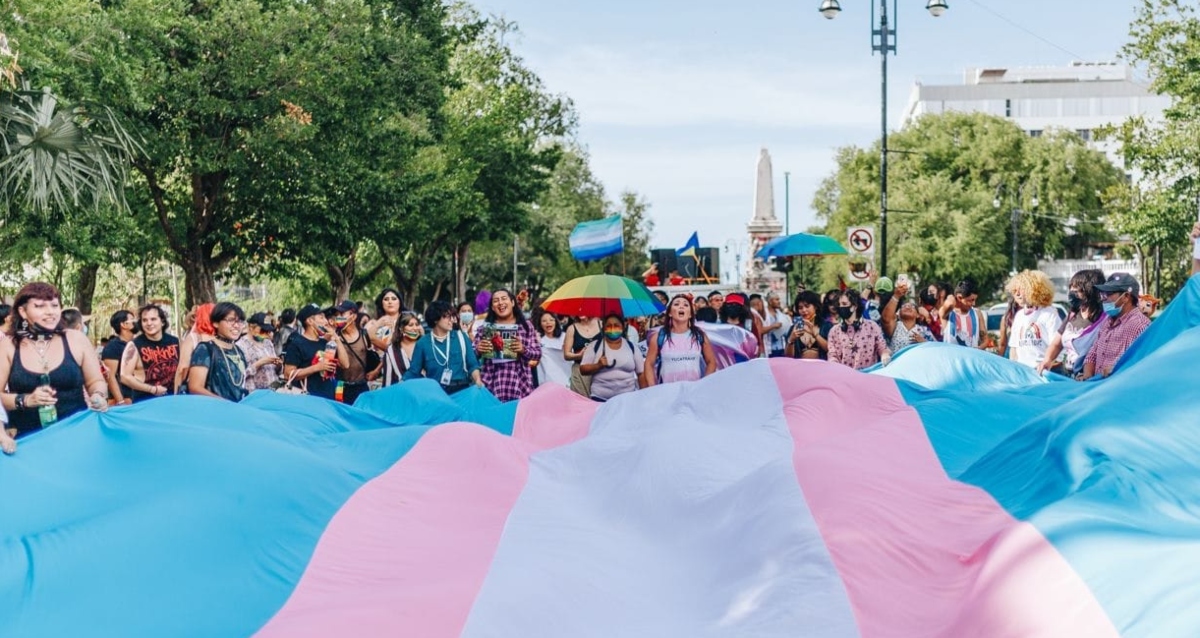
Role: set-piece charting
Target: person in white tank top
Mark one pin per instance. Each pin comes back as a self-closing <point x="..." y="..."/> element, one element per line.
<point x="685" y="353"/>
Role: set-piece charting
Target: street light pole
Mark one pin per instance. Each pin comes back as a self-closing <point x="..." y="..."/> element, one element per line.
<point x="787" y="203"/>
<point x="886" y="43"/>
<point x="883" y="41"/>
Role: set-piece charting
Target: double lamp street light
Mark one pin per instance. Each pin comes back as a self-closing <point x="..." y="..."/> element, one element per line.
<point x="883" y="41"/>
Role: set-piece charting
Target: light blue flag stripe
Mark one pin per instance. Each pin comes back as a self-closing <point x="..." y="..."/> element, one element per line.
<point x="597" y="239"/>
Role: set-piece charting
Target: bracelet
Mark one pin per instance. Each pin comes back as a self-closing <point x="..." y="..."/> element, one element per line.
<point x="19" y="401"/>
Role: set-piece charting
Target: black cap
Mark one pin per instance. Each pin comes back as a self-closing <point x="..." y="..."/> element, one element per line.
<point x="345" y="306"/>
<point x="1120" y="282"/>
<point x="260" y="319"/>
<point x="308" y="312"/>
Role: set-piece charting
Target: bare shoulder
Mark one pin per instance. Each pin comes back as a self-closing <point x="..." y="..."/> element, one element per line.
<point x="78" y="341"/>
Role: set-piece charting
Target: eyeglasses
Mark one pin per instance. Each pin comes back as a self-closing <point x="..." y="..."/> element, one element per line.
<point x="233" y="320"/>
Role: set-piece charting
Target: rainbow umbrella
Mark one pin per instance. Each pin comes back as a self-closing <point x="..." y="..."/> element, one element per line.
<point x="599" y="295"/>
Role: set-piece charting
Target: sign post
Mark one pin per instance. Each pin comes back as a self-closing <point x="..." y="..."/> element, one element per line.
<point x="860" y="240"/>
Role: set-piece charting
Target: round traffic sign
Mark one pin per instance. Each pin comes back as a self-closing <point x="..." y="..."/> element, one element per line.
<point x="861" y="240"/>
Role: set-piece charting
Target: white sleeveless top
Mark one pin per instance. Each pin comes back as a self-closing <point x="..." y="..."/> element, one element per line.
<point x="681" y="358"/>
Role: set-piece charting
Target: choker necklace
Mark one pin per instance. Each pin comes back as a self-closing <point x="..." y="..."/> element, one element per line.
<point x="222" y="339"/>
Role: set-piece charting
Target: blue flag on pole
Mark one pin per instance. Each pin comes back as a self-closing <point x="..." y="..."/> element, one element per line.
<point x="597" y="239"/>
<point x="689" y="249"/>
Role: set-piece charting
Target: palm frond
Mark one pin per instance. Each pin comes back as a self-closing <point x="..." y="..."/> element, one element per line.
<point x="56" y="158"/>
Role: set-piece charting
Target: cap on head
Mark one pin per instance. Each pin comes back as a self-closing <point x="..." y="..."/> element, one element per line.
<point x="735" y="299"/>
<point x="308" y="312"/>
<point x="260" y="319"/>
<point x="884" y="285"/>
<point x="346" y="306"/>
<point x="1120" y="282"/>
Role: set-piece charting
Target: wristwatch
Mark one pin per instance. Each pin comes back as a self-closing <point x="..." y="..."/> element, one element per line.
<point x="20" y="401"/>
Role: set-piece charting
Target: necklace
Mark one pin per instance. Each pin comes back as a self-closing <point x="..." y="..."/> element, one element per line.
<point x="42" y="348"/>
<point x="239" y="379"/>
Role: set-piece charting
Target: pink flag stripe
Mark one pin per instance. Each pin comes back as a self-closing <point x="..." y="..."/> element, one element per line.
<point x="920" y="553"/>
<point x="407" y="553"/>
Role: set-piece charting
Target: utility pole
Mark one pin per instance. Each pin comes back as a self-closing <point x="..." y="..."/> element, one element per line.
<point x="787" y="203"/>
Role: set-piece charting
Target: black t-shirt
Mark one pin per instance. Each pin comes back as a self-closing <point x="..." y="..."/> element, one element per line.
<point x="112" y="352"/>
<point x="160" y="360"/>
<point x="302" y="352"/>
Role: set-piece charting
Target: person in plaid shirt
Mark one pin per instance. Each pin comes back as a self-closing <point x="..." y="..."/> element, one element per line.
<point x="509" y="347"/>
<point x="1123" y="326"/>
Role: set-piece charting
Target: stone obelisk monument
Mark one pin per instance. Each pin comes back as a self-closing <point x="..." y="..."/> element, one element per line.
<point x="763" y="227"/>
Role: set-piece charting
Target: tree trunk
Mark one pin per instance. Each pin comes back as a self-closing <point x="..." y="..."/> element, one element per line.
<point x="341" y="278"/>
<point x="460" y="277"/>
<point x="199" y="280"/>
<point x="411" y="286"/>
<point x="85" y="287"/>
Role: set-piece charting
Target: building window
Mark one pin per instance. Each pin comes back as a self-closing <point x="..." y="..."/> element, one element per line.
<point x="1085" y="134"/>
<point x="1035" y="133"/>
<point x="1008" y="112"/>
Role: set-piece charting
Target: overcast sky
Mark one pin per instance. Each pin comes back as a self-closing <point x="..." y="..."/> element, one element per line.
<point x="676" y="98"/>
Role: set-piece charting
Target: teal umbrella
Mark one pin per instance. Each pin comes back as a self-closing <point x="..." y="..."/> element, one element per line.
<point x="801" y="245"/>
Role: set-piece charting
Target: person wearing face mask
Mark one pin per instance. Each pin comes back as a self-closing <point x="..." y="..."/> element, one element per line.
<point x="614" y="363"/>
<point x="1035" y="322"/>
<point x="1079" y="331"/>
<point x="1124" y="324"/>
<point x="932" y="298"/>
<point x="397" y="359"/>
<point x="464" y="318"/>
<point x="307" y="361"/>
<point x="855" y="342"/>
<point x="362" y="364"/>
<point x="262" y="372"/>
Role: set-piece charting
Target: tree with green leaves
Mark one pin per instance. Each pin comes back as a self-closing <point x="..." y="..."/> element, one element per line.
<point x="1157" y="212"/>
<point x="955" y="190"/>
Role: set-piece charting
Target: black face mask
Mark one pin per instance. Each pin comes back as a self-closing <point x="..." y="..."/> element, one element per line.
<point x="1075" y="302"/>
<point x="845" y="312"/>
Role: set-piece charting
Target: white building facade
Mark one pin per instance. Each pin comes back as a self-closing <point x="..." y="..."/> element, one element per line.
<point x="1080" y="97"/>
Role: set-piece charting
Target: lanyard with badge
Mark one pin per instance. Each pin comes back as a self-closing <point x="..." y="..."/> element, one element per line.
<point x="442" y="359"/>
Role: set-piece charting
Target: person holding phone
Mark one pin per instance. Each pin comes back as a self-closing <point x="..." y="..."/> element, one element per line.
<point x="259" y="350"/>
<point x="808" y="337"/>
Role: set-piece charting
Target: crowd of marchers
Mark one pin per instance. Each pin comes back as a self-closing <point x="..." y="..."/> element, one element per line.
<point x="504" y="342"/>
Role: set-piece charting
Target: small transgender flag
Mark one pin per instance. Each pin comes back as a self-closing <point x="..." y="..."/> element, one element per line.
<point x="597" y="239"/>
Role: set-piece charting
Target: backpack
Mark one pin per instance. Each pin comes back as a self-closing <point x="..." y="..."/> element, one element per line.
<point x="662" y="339"/>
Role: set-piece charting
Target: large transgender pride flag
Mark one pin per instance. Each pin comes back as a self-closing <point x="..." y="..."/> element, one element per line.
<point x="950" y="494"/>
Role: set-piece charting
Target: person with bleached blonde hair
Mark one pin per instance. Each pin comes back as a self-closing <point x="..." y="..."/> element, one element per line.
<point x="1036" y="321"/>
